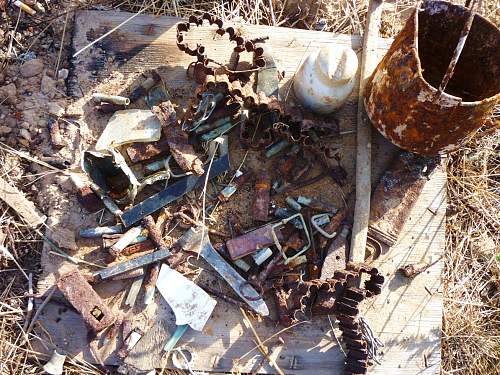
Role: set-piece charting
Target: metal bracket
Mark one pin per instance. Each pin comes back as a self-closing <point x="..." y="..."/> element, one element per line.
<point x="319" y="229"/>
<point x="277" y="243"/>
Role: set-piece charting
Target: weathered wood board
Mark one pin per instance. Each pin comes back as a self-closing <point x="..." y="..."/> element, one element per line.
<point x="406" y="316"/>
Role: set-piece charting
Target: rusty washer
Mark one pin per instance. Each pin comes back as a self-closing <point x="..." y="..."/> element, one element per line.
<point x="403" y="101"/>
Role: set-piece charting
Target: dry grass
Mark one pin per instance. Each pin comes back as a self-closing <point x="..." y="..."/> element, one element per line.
<point x="471" y="321"/>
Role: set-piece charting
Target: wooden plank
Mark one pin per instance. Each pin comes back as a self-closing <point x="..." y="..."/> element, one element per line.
<point x="409" y="323"/>
<point x="24" y="208"/>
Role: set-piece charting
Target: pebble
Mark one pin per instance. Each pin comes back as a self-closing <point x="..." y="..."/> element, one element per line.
<point x="31" y="68"/>
<point x="25" y="134"/>
<point x="62" y="74"/>
<point x="8" y="93"/>
<point x="5" y="130"/>
<point x="48" y="85"/>
<point x="55" y="109"/>
<point x="11" y="122"/>
<point x="25" y="125"/>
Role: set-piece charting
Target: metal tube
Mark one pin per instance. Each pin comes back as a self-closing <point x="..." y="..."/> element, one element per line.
<point x="115" y="99"/>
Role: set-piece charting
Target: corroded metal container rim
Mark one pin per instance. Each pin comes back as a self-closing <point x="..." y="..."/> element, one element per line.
<point x="453" y="100"/>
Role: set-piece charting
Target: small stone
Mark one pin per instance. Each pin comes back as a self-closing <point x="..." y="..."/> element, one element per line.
<point x="8" y="93"/>
<point x="48" y="85"/>
<point x="23" y="142"/>
<point x="31" y="68"/>
<point x="55" y="109"/>
<point x="11" y="122"/>
<point x="25" y="125"/>
<point x="5" y="130"/>
<point x="25" y="134"/>
<point x="62" y="74"/>
<point x="2" y="76"/>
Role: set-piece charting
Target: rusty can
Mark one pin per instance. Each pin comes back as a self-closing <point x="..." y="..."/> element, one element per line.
<point x="403" y="98"/>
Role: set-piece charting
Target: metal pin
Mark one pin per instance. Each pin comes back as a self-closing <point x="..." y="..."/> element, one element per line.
<point x="115" y="99"/>
<point x="99" y="231"/>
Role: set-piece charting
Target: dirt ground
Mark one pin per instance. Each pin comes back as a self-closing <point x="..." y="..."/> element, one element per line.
<point x="34" y="86"/>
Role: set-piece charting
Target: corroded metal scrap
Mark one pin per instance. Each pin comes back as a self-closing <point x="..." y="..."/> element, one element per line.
<point x="396" y="194"/>
<point x="180" y="149"/>
<point x="402" y="99"/>
<point x="75" y="287"/>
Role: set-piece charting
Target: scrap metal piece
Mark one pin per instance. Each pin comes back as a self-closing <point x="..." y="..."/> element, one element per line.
<point x="133" y="291"/>
<point x="138" y="152"/>
<point x="55" y="133"/>
<point x="250" y="242"/>
<point x="403" y="100"/>
<point x="260" y="210"/>
<point x="180" y="149"/>
<point x="316" y="223"/>
<point x="115" y="99"/>
<point x="129" y="342"/>
<point x="98" y="232"/>
<point x="267" y="77"/>
<point x="143" y="88"/>
<point x="86" y="301"/>
<point x="191" y="241"/>
<point x="55" y="365"/>
<point x="412" y="270"/>
<point x="305" y="247"/>
<point x="191" y="305"/>
<point x="396" y="194"/>
<point x="173" y="192"/>
<point x="155" y="235"/>
<point x="140" y="261"/>
<point x="239" y="180"/>
<point x="125" y="240"/>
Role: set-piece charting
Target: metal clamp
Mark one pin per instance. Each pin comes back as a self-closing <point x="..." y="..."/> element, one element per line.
<point x="277" y="243"/>
<point x="320" y="230"/>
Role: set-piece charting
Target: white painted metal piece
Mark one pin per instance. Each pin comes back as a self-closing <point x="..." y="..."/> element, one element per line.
<point x="190" y="304"/>
<point x="55" y="365"/>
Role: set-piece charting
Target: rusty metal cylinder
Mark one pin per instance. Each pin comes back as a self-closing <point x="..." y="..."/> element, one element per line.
<point x="402" y="99"/>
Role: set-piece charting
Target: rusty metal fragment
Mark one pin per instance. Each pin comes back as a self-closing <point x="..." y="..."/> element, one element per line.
<point x="55" y="133"/>
<point x="180" y="149"/>
<point x="144" y="151"/>
<point x="250" y="242"/>
<point x="80" y="294"/>
<point x="403" y="100"/>
<point x="260" y="211"/>
<point x="412" y="270"/>
<point x="396" y="194"/>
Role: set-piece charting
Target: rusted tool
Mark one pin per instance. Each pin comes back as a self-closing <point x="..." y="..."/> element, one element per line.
<point x="250" y="242"/>
<point x="197" y="240"/>
<point x="85" y="300"/>
<point x="397" y="193"/>
<point x="260" y="211"/>
<point x="417" y="116"/>
<point x="132" y="264"/>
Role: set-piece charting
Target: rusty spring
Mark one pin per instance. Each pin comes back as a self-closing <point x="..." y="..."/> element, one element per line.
<point x="237" y="85"/>
<point x="334" y="296"/>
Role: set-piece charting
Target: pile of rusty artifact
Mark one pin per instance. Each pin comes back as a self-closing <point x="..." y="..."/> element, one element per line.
<point x="146" y="160"/>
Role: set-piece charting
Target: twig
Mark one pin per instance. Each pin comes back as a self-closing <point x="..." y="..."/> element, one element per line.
<point x="61" y="46"/>
<point x="261" y="346"/>
<point x="29" y="309"/>
<point x="51" y="292"/>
